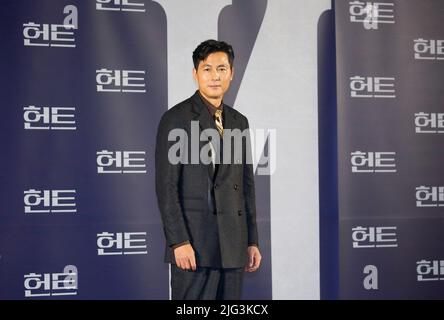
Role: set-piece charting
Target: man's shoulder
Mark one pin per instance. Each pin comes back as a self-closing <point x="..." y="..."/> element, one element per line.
<point x="178" y="115"/>
<point x="236" y="113"/>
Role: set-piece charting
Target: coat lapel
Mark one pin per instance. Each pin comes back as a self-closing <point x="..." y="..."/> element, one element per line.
<point x="229" y="122"/>
<point x="202" y="115"/>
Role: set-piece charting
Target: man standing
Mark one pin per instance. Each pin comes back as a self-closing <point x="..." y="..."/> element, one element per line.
<point x="207" y="207"/>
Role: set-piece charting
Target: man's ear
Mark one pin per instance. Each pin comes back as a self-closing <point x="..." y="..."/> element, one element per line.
<point x="232" y="73"/>
<point x="195" y="74"/>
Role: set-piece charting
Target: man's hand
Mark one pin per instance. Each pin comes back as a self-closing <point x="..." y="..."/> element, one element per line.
<point x="185" y="258"/>
<point x="254" y="259"/>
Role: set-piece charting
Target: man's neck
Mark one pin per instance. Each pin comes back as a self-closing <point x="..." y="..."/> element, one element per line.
<point x="215" y="102"/>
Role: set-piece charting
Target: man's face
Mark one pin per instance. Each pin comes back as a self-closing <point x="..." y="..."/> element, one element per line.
<point x="214" y="75"/>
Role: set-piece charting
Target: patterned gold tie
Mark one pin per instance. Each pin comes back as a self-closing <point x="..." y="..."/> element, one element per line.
<point x="218" y="120"/>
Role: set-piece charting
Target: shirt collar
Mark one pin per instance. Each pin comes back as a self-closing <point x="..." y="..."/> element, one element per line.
<point x="211" y="109"/>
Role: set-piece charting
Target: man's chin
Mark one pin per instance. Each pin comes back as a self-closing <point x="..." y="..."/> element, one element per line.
<point x="214" y="96"/>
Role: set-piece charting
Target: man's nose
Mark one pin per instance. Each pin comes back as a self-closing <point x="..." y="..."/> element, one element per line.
<point x="215" y="75"/>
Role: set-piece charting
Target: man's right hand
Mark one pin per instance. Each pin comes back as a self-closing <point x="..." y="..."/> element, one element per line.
<point x="185" y="258"/>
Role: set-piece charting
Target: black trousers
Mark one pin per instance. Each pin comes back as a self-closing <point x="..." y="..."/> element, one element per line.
<point x="206" y="283"/>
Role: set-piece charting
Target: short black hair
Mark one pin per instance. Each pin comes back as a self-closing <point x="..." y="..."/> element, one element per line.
<point x="208" y="47"/>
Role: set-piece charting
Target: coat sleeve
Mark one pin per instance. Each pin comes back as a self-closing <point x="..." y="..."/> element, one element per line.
<point x="167" y="186"/>
<point x="249" y="191"/>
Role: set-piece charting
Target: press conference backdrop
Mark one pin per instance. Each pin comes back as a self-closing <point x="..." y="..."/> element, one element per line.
<point x="83" y="86"/>
<point x="390" y="70"/>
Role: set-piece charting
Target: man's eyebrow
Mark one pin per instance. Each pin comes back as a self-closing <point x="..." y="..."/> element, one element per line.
<point x="209" y="65"/>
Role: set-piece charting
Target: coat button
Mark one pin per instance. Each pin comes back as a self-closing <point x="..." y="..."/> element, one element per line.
<point x="235" y="187"/>
<point x="239" y="212"/>
<point x="216" y="186"/>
